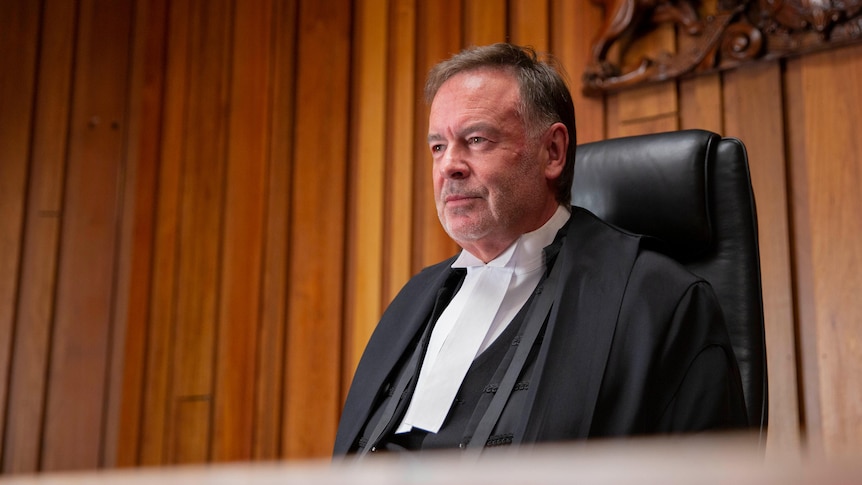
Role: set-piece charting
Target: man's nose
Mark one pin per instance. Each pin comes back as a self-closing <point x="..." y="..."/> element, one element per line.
<point x="453" y="164"/>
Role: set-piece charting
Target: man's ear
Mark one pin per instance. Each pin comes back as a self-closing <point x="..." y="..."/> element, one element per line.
<point x="556" y="144"/>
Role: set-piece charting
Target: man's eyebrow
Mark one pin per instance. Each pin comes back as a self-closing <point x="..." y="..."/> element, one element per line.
<point x="432" y="137"/>
<point x="481" y="127"/>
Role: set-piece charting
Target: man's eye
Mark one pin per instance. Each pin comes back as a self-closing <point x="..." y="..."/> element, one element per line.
<point x="436" y="148"/>
<point x="475" y="139"/>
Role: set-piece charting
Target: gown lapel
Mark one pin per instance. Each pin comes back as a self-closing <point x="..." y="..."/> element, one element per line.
<point x="572" y="359"/>
<point x="398" y="329"/>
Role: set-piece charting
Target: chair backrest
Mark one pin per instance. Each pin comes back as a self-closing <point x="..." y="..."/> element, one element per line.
<point x="691" y="191"/>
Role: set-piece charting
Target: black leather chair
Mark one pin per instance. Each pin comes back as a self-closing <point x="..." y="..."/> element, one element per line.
<point x="690" y="191"/>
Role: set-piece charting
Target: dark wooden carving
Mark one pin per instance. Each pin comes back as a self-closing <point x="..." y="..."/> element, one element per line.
<point x="734" y="33"/>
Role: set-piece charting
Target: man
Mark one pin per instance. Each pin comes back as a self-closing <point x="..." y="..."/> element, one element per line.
<point x="550" y="325"/>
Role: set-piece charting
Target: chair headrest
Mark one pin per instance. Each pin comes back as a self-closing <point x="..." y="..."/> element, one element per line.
<point x="654" y="185"/>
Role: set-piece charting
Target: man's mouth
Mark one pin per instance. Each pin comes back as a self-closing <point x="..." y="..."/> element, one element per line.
<point x="460" y="200"/>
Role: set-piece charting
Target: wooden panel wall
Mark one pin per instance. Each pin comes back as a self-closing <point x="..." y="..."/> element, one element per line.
<point x="64" y="97"/>
<point x="205" y="205"/>
<point x="825" y="176"/>
<point x="236" y="348"/>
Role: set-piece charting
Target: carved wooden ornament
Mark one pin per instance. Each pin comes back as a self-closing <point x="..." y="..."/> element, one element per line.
<point x="735" y="33"/>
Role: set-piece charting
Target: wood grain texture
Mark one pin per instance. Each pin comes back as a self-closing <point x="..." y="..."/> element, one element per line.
<point x="269" y="398"/>
<point x="573" y="22"/>
<point x="827" y="239"/>
<point x="529" y="23"/>
<point x="484" y="22"/>
<point x="243" y="237"/>
<point x="753" y="111"/>
<point x="438" y="38"/>
<point x="88" y="247"/>
<point x="35" y="306"/>
<point x="153" y="421"/>
<point x="205" y="206"/>
<point x="366" y="210"/>
<point x="700" y="97"/>
<point x="807" y="363"/>
<point x="659" y="99"/>
<point x="700" y="103"/>
<point x="200" y="243"/>
<point x="650" y="108"/>
<point x="134" y="283"/>
<point x="19" y="33"/>
<point x="317" y="251"/>
<point x="402" y="78"/>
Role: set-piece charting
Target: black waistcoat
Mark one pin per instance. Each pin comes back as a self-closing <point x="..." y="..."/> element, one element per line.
<point x="471" y="402"/>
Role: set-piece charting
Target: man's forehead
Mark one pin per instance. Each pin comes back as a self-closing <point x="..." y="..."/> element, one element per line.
<point x="479" y="90"/>
<point x="480" y="77"/>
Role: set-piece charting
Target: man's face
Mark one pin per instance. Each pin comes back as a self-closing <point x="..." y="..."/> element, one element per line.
<point x="489" y="179"/>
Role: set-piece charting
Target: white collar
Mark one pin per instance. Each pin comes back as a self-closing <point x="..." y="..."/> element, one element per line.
<point x="525" y="254"/>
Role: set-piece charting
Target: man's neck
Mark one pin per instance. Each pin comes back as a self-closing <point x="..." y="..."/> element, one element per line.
<point x="487" y="253"/>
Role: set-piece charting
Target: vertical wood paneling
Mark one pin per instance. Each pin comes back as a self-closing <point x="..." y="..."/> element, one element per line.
<point x="701" y="103"/>
<point x="651" y="108"/>
<point x="317" y="252"/>
<point x="35" y="309"/>
<point x="135" y="283"/>
<point x="826" y="175"/>
<point x="367" y="178"/>
<point x="199" y="245"/>
<point x="574" y="24"/>
<point x="154" y="423"/>
<point x="700" y="96"/>
<point x="82" y="326"/>
<point x="278" y="194"/>
<point x="636" y="112"/>
<point x="400" y="147"/>
<point x="19" y="34"/>
<point x="190" y="433"/>
<point x="803" y="270"/>
<point x="245" y="200"/>
<point x="529" y="23"/>
<point x="754" y="112"/>
<point x="271" y="337"/>
<point x="484" y="22"/>
<point x="438" y="38"/>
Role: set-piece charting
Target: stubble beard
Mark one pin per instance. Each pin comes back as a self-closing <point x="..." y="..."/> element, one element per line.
<point x="468" y="224"/>
<point x="501" y="210"/>
<point x="485" y="215"/>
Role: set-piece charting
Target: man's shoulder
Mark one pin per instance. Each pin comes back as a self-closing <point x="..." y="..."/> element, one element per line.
<point x="648" y="259"/>
<point x="584" y="224"/>
<point x="588" y="236"/>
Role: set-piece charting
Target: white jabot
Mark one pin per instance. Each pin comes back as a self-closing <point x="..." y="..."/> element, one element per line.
<point x="490" y="297"/>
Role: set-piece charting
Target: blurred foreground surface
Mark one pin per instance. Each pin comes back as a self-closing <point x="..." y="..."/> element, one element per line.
<point x="736" y="460"/>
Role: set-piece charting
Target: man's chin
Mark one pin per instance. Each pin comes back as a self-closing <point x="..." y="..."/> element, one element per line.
<point x="461" y="233"/>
